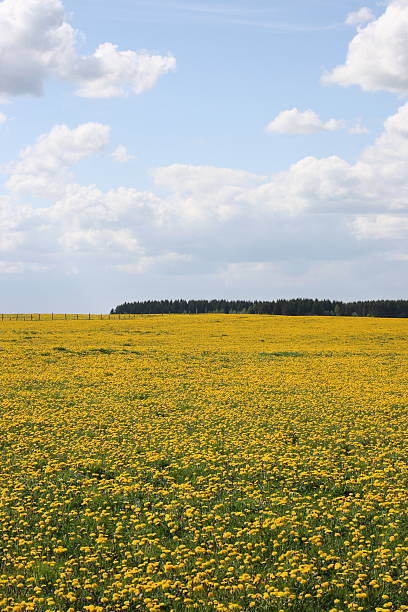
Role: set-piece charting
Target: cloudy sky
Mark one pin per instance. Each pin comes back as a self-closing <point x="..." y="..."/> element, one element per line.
<point x="202" y="148"/>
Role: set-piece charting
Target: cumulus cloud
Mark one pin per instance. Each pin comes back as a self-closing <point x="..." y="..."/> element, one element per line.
<point x="358" y="129"/>
<point x="201" y="219"/>
<point x="98" y="240"/>
<point x="381" y="227"/>
<point x="294" y="121"/>
<point x="363" y="15"/>
<point x="377" y="57"/>
<point x="110" y="72"/>
<point x="319" y="219"/>
<point x="120" y="155"/>
<point x="3" y="118"/>
<point x="36" y="42"/>
<point x="43" y="168"/>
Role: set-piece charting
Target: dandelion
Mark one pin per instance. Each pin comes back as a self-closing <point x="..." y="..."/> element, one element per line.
<point x="203" y="463"/>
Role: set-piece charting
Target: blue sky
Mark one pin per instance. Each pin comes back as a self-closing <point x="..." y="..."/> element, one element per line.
<point x="203" y="198"/>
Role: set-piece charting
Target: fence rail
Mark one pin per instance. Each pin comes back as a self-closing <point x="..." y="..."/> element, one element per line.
<point x="64" y="317"/>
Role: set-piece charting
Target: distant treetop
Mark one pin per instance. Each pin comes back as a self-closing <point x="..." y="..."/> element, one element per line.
<point x="293" y="307"/>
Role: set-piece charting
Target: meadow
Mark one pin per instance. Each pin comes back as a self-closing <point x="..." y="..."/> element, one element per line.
<point x="204" y="462"/>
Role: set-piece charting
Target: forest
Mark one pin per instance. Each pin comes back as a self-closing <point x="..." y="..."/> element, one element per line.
<point x="291" y="307"/>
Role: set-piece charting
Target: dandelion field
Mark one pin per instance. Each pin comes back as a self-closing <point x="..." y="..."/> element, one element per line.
<point x="209" y="462"/>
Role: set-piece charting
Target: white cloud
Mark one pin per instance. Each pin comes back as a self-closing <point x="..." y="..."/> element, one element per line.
<point x="294" y="121"/>
<point x="120" y="155"/>
<point x="98" y="240"/>
<point x="118" y="72"/>
<point x="363" y="15"/>
<point x="377" y="57"/>
<point x="358" y="129"/>
<point x="211" y="221"/>
<point x="14" y="221"/>
<point x="3" y="118"/>
<point x="377" y="182"/>
<point x="43" y="168"/>
<point x="36" y="42"/>
<point x="381" y="227"/>
<point x="201" y="194"/>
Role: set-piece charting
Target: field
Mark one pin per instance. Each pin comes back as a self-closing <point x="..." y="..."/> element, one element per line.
<point x="205" y="462"/>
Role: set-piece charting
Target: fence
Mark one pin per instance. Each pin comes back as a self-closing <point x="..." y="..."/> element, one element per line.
<point x="64" y="317"/>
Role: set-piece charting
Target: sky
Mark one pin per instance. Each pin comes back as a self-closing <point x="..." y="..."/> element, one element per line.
<point x="251" y="149"/>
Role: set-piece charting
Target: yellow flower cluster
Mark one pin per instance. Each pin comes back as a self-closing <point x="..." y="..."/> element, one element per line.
<point x="204" y="462"/>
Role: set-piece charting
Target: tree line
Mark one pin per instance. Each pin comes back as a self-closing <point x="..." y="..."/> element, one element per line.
<point x="293" y="307"/>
